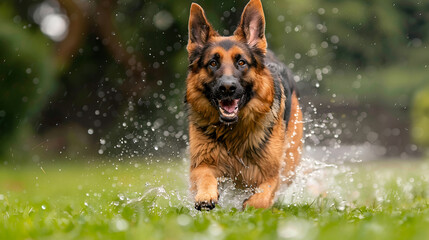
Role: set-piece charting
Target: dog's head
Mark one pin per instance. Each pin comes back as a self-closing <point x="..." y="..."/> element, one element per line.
<point x="223" y="69"/>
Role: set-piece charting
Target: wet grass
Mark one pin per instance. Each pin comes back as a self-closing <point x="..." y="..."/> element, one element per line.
<point x="384" y="200"/>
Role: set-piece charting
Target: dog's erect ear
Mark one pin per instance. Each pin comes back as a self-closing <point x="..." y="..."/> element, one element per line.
<point x="252" y="26"/>
<point x="199" y="29"/>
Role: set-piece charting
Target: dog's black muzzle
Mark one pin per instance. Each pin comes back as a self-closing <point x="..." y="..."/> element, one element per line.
<point x="228" y="93"/>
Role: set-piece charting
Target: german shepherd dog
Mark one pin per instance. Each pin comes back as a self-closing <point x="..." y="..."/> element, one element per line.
<point x="245" y="121"/>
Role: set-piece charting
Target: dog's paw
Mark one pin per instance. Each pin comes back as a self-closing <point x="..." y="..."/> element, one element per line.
<point x="258" y="200"/>
<point x="205" y="202"/>
<point x="205" y="205"/>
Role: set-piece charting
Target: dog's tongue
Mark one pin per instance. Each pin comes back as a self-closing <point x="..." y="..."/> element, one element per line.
<point x="229" y="106"/>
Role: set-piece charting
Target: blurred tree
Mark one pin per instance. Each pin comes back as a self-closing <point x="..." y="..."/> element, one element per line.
<point x="26" y="74"/>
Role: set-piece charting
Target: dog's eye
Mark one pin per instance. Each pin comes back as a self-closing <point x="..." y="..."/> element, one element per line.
<point x="213" y="63"/>
<point x="241" y="63"/>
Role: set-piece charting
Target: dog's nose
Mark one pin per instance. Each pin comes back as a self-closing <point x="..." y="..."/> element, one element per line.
<point x="228" y="85"/>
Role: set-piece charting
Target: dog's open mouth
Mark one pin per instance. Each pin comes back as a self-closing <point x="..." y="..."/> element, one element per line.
<point x="228" y="110"/>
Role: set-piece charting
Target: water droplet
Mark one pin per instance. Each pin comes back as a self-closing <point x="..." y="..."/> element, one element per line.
<point x="183" y="220"/>
<point x="119" y="225"/>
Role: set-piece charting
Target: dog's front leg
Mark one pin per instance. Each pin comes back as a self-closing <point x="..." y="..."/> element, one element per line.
<point x="204" y="183"/>
<point x="264" y="196"/>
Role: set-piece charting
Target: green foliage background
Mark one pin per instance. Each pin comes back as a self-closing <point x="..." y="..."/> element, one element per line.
<point x="363" y="52"/>
<point x="27" y="75"/>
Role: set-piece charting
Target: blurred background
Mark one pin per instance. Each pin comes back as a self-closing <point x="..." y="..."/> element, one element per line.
<point x="101" y="80"/>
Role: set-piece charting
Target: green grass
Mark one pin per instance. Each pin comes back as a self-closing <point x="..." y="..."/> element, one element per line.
<point x="385" y="200"/>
